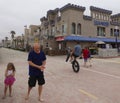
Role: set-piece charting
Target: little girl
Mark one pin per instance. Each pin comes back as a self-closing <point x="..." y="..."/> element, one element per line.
<point x="9" y="79"/>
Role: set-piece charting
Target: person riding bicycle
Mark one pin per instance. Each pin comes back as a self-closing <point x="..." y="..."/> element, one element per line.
<point x="76" y="51"/>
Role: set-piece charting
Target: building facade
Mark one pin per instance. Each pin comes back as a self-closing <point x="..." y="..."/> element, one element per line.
<point x="63" y="26"/>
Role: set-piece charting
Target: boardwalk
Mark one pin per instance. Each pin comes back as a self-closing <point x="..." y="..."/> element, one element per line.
<point x="97" y="84"/>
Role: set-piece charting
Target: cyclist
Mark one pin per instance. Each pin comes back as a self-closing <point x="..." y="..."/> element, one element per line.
<point x="76" y="51"/>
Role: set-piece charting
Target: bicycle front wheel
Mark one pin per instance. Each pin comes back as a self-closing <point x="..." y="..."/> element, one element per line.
<point x="75" y="66"/>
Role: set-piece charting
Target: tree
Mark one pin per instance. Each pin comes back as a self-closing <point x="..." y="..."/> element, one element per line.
<point x="12" y="34"/>
<point x="3" y="40"/>
<point x="6" y="38"/>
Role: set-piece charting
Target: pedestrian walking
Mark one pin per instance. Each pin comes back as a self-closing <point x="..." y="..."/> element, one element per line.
<point x="37" y="62"/>
<point x="85" y="56"/>
<point x="9" y="79"/>
<point x="68" y="53"/>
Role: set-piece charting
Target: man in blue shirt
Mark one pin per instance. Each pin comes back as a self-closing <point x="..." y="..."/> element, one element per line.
<point x="76" y="51"/>
<point x="36" y="61"/>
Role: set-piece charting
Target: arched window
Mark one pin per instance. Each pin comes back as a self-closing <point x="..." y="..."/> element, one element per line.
<point x="118" y="32"/>
<point x="111" y="32"/>
<point x="73" y="28"/>
<point x="79" y="29"/>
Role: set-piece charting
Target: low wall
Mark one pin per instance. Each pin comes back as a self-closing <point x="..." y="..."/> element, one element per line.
<point x="56" y="52"/>
<point x="107" y="52"/>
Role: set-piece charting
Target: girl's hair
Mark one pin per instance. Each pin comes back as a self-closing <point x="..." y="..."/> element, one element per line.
<point x="11" y="65"/>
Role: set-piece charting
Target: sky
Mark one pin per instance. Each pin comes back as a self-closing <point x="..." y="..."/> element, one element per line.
<point x="15" y="14"/>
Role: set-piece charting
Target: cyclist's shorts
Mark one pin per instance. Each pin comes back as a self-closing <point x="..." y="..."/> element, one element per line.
<point x="75" y="55"/>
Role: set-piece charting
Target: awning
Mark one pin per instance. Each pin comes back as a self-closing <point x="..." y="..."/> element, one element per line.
<point x="90" y="39"/>
<point x="60" y="38"/>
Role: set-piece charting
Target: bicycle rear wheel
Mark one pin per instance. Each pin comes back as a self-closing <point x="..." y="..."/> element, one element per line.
<point x="75" y="66"/>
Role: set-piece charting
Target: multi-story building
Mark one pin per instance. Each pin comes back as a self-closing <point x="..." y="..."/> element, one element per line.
<point x="32" y="34"/>
<point x="63" y="26"/>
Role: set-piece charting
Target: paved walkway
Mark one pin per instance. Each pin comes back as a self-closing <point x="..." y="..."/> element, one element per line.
<point x="98" y="84"/>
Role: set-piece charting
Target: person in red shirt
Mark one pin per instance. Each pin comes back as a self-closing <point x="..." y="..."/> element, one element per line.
<point x="85" y="56"/>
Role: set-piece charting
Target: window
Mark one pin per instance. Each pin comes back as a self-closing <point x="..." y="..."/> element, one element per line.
<point x="101" y="31"/>
<point x="107" y="18"/>
<point x="104" y="17"/>
<point x="63" y="29"/>
<point x="79" y="29"/>
<point x="111" y="32"/>
<point x="116" y="32"/>
<point x="73" y="28"/>
<point x="47" y="45"/>
<point x="97" y="16"/>
<point x="59" y="14"/>
<point x="47" y="32"/>
<point x="101" y="17"/>
<point x="51" y="31"/>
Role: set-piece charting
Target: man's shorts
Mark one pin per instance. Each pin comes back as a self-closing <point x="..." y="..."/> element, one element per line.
<point x="33" y="79"/>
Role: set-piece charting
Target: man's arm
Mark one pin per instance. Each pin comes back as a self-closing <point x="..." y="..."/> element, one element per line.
<point x="34" y="65"/>
<point x="44" y="63"/>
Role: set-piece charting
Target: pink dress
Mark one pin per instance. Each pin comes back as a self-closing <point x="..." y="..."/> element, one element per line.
<point x="9" y="80"/>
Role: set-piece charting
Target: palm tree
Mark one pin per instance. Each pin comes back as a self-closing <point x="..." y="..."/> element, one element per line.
<point x="3" y="41"/>
<point x="12" y="34"/>
<point x="6" y="38"/>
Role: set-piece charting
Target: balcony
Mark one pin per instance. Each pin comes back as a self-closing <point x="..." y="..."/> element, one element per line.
<point x="46" y="24"/>
<point x="52" y="22"/>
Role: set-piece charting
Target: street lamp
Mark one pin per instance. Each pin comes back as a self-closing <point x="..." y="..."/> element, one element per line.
<point x="116" y="39"/>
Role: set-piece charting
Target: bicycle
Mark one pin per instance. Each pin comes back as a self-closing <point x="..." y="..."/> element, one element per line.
<point x="75" y="64"/>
